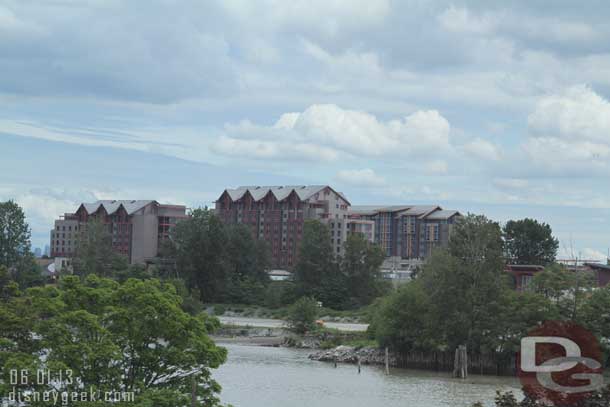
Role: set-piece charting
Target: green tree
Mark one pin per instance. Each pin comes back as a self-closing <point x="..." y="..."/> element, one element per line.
<point x="200" y="248"/>
<point x="15" y="246"/>
<point x="361" y="264"/>
<point x="14" y="235"/>
<point x="565" y="288"/>
<point x="132" y="336"/>
<point x="317" y="273"/>
<point x="401" y="320"/>
<point x="247" y="262"/>
<point x="527" y="241"/>
<point x="465" y="282"/>
<point x="94" y="252"/>
<point x="302" y="315"/>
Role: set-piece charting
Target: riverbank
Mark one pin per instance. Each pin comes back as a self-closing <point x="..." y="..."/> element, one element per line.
<point x="351" y="354"/>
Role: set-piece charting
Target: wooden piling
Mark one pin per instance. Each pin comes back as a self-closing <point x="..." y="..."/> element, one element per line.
<point x="460" y="364"/>
<point x="387" y="361"/>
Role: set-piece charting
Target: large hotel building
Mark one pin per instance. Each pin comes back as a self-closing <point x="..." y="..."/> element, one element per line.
<point x="276" y="214"/>
<point x="137" y="227"/>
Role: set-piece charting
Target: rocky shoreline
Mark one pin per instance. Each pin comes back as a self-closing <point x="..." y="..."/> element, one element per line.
<point x="350" y="354"/>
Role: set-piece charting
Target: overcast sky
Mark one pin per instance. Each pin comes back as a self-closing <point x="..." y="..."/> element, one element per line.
<point x="474" y="105"/>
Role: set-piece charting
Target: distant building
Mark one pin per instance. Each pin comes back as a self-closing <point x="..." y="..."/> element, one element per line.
<point x="38" y="252"/>
<point x="276" y="214"/>
<point x="47" y="250"/>
<point x="279" y="275"/>
<point x="407" y="231"/>
<point x="137" y="227"/>
<point x="523" y="274"/>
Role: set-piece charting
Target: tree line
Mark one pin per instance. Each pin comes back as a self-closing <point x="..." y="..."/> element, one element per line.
<point x="463" y="296"/>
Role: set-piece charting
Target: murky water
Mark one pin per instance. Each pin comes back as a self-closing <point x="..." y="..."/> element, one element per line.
<point x="278" y="377"/>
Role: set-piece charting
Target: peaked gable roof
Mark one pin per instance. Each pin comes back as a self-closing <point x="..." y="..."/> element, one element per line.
<point x="304" y="192"/>
<point x="111" y="206"/>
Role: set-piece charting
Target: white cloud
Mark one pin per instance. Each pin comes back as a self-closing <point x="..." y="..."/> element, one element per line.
<point x="461" y="20"/>
<point x="570" y="132"/>
<point x="360" y="178"/>
<point x="325" y="131"/>
<point x="483" y="149"/>
<point x="577" y="113"/>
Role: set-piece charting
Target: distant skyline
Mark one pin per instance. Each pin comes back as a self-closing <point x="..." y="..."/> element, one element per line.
<point x="487" y="107"/>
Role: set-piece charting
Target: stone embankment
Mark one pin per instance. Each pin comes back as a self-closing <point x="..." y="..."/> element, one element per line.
<point x="350" y="354"/>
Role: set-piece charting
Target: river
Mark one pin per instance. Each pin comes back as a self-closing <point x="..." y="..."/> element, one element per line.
<point x="257" y="376"/>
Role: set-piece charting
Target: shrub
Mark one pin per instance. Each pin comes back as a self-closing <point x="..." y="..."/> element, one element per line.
<point x="302" y="315"/>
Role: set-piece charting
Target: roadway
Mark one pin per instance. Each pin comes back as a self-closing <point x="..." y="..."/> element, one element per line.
<point x="278" y="323"/>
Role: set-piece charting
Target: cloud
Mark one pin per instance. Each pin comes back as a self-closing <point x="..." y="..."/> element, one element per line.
<point x="569" y="132"/>
<point x="360" y="178"/>
<point x="511" y="183"/>
<point x="483" y="149"/>
<point x="327" y="131"/>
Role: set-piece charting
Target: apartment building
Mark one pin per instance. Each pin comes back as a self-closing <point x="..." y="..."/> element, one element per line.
<point x="137" y="227"/>
<point x="406" y="231"/>
<point x="276" y="215"/>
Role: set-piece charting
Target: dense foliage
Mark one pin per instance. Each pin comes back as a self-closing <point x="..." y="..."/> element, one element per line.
<point x="125" y="337"/>
<point x="302" y="315"/>
<point x="463" y="296"/>
<point x="15" y="247"/>
<point x="349" y="281"/>
<point x="224" y="263"/>
<point x="529" y="242"/>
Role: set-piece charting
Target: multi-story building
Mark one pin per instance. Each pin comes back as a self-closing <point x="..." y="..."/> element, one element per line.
<point x="407" y="231"/>
<point x="276" y="214"/>
<point x="137" y="227"/>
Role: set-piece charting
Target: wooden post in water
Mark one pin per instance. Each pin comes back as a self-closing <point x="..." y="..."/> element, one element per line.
<point x="387" y="361"/>
<point x="193" y="391"/>
<point x="359" y="365"/>
<point x="460" y="364"/>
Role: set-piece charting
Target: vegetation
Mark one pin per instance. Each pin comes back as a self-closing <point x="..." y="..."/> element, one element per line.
<point x="129" y="337"/>
<point x="15" y="247"/>
<point x="225" y="264"/>
<point x="340" y="283"/>
<point x="529" y="242"/>
<point x="302" y="315"/>
<point x="462" y="296"/>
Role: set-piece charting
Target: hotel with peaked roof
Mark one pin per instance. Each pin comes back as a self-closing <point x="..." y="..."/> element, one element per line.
<point x="137" y="227"/>
<point x="276" y="214"/>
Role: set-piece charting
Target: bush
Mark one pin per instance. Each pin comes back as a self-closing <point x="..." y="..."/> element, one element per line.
<point x="302" y="315"/>
<point x="219" y="310"/>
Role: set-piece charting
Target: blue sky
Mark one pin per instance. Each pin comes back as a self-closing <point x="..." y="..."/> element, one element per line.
<point x="489" y="107"/>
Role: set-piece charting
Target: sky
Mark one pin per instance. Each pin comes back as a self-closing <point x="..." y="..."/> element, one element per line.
<point x="499" y="108"/>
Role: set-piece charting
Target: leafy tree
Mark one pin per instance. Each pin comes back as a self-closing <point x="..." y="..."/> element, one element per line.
<point x="316" y="258"/>
<point x="15" y="246"/>
<point x="465" y="282"/>
<point x="94" y="253"/>
<point x="248" y="260"/>
<point x="302" y="315"/>
<point x="401" y="320"/>
<point x="529" y="242"/>
<point x="132" y="336"/>
<point x="14" y="235"/>
<point x="565" y="288"/>
<point x="361" y="264"/>
<point x="200" y="250"/>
